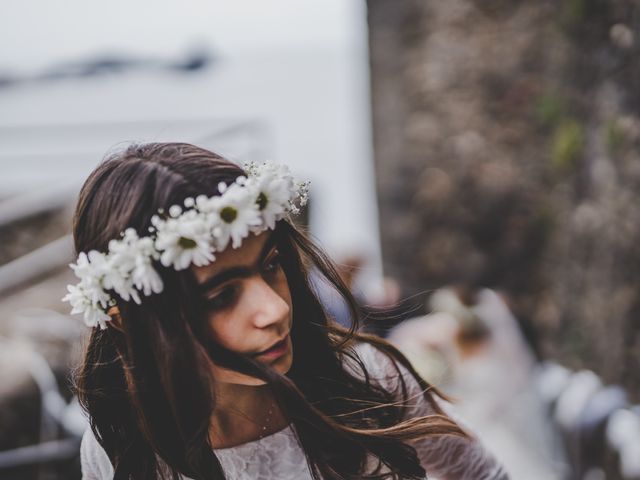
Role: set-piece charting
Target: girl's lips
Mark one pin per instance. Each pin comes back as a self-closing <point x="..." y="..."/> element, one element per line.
<point x="276" y="350"/>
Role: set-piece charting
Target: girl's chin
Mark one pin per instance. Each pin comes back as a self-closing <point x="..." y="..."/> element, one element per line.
<point x="225" y="375"/>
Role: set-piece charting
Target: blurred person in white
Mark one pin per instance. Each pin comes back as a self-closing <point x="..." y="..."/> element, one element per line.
<point x="214" y="358"/>
<point x="471" y="346"/>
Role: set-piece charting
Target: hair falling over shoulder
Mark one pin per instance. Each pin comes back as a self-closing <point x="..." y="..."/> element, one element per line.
<point x="146" y="385"/>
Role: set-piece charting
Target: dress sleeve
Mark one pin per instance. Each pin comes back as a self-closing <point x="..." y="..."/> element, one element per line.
<point x="444" y="457"/>
<point x="93" y="459"/>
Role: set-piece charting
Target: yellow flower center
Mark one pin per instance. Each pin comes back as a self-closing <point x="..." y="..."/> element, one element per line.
<point x="187" y="243"/>
<point x="262" y="201"/>
<point x="228" y="214"/>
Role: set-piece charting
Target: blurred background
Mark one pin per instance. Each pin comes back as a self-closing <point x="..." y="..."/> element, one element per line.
<point x="475" y="169"/>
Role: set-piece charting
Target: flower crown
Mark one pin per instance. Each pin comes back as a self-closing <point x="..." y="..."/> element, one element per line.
<point x="181" y="237"/>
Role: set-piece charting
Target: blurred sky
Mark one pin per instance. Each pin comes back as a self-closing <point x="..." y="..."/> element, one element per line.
<point x="299" y="68"/>
<point x="35" y="32"/>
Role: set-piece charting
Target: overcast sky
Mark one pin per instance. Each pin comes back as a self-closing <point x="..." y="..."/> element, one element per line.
<point x="34" y="33"/>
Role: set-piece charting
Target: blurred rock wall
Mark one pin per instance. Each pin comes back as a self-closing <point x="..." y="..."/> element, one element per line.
<point x="507" y="148"/>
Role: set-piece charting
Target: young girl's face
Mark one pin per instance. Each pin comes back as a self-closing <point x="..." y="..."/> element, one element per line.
<point x="249" y="305"/>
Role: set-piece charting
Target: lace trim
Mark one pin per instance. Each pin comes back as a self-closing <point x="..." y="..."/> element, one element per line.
<point x="278" y="455"/>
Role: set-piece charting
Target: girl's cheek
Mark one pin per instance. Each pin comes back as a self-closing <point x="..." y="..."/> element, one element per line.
<point x="228" y="331"/>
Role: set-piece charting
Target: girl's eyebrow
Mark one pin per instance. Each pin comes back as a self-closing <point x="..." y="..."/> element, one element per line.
<point x="239" y="271"/>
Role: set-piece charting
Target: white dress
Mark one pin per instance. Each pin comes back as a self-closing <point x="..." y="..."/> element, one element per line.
<point x="280" y="456"/>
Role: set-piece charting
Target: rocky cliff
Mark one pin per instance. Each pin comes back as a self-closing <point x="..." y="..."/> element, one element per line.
<point x="507" y="148"/>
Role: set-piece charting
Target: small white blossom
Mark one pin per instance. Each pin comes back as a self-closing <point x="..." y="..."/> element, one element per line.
<point x="175" y="211"/>
<point x="156" y="220"/>
<point x="205" y="204"/>
<point x="302" y="193"/>
<point x="251" y="168"/>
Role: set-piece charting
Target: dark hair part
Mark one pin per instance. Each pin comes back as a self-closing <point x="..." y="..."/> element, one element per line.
<point x="146" y="385"/>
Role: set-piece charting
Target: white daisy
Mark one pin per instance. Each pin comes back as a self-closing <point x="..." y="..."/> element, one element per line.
<point x="91" y="269"/>
<point x="184" y="241"/>
<point x="89" y="265"/>
<point x="143" y="275"/>
<point x="274" y="194"/>
<point x="78" y="299"/>
<point x="238" y="213"/>
<point x="122" y="259"/>
<point x="91" y="303"/>
<point x="146" y="278"/>
<point x="96" y="316"/>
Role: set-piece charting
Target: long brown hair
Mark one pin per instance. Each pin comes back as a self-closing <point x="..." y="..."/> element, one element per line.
<point x="146" y="386"/>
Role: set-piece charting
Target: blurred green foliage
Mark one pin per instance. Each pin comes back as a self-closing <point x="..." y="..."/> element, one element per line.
<point x="572" y="11"/>
<point x="613" y="135"/>
<point x="567" y="145"/>
<point x="549" y="108"/>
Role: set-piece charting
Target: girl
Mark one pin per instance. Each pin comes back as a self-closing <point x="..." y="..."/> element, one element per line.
<point x="212" y="357"/>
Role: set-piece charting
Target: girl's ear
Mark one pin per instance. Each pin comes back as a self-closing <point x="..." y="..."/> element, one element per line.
<point x="116" y="319"/>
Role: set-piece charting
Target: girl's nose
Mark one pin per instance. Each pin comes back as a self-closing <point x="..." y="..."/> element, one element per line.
<point x="269" y="306"/>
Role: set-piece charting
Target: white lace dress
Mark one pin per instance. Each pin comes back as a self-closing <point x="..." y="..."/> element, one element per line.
<point x="279" y="456"/>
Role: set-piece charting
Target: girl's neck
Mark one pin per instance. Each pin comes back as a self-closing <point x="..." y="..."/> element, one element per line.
<point x="243" y="414"/>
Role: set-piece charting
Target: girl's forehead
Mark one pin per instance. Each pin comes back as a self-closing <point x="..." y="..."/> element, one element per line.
<point x="246" y="255"/>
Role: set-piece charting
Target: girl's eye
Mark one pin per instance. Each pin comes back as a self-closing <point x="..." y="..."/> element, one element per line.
<point x="223" y="299"/>
<point x="273" y="264"/>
